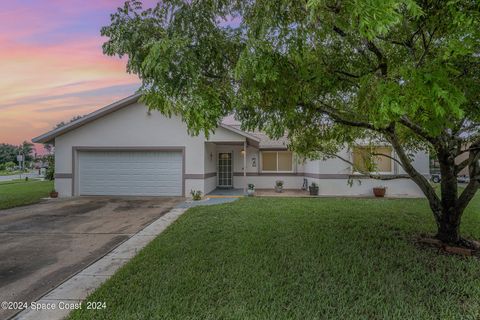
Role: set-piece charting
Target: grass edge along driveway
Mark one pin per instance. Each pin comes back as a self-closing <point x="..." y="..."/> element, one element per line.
<point x="293" y="258"/>
<point x="20" y="192"/>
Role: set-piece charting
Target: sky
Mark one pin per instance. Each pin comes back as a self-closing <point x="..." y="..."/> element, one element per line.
<point x="52" y="66"/>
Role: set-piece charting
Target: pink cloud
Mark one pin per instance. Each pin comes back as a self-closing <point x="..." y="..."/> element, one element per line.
<point x="52" y="65"/>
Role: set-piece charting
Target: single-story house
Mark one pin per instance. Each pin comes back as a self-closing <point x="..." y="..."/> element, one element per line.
<point x="124" y="149"/>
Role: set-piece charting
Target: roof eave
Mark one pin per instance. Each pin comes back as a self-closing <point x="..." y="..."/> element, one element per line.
<point x="240" y="132"/>
<point x="51" y="135"/>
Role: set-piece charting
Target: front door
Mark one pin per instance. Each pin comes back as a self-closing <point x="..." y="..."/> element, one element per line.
<point x="225" y="174"/>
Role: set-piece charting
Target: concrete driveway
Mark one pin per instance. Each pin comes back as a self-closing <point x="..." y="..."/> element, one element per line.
<point x="44" y="244"/>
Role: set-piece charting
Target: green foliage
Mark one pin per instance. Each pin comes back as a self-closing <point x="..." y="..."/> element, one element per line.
<point x="9" y="165"/>
<point x="330" y="74"/>
<point x="294" y="258"/>
<point x="9" y="152"/>
<point x="284" y="63"/>
<point x="196" y="195"/>
<point x="50" y="173"/>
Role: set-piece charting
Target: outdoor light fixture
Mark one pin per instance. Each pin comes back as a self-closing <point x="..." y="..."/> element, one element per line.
<point x="242" y="151"/>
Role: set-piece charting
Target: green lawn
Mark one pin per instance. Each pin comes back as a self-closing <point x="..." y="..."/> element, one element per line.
<point x="10" y="173"/>
<point x="274" y="258"/>
<point x="20" y="192"/>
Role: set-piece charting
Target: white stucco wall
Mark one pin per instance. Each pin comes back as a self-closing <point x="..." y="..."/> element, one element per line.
<point x="131" y="126"/>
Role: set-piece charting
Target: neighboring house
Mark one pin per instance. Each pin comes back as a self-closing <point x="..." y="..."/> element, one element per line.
<point x="122" y="149"/>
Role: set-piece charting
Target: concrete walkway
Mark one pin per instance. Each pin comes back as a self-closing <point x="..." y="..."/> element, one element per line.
<point x="72" y="292"/>
<point x="208" y="201"/>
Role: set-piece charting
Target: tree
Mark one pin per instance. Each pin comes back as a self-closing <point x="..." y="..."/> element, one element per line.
<point x="327" y="73"/>
<point x="26" y="148"/>
<point x="8" y="153"/>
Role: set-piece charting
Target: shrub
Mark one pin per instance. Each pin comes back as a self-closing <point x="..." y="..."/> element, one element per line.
<point x="50" y="173"/>
<point x="196" y="195"/>
<point x="9" y="165"/>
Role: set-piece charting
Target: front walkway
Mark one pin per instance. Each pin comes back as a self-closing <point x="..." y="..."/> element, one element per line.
<point x="219" y="193"/>
<point x="238" y="193"/>
<point x="293" y="193"/>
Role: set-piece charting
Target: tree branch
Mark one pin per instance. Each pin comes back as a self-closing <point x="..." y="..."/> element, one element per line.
<point x="370" y="174"/>
<point x="419" y="179"/>
<point x="382" y="61"/>
<point x="418" y="130"/>
<point x="338" y="118"/>
<point x="474" y="173"/>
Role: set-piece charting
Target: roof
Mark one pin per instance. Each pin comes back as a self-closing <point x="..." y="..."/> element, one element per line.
<point x="265" y="141"/>
<point x="51" y="135"/>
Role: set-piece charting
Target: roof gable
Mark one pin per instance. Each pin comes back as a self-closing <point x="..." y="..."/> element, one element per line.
<point x="51" y="135"/>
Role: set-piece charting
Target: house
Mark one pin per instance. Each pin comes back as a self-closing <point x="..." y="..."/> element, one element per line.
<point x="123" y="149"/>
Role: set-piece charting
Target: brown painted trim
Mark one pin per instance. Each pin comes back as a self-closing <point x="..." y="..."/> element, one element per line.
<point x="274" y="149"/>
<point x="76" y="149"/>
<point x="228" y="143"/>
<point x="63" y="176"/>
<point x="249" y="174"/>
<point x="194" y="176"/>
<point x="200" y="175"/>
<point x="326" y="175"/>
<point x="386" y="176"/>
<point x="310" y="175"/>
<point x="349" y="176"/>
<point x="210" y="175"/>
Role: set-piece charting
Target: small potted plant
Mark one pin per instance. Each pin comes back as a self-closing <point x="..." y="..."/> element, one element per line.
<point x="279" y="186"/>
<point x="379" y="192"/>
<point x="313" y="189"/>
<point x="251" y="190"/>
<point x="53" y="194"/>
<point x="196" y="195"/>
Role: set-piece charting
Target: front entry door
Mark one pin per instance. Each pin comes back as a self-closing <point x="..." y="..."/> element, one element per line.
<point x="225" y="174"/>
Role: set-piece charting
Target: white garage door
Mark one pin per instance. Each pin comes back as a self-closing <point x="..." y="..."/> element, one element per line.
<point x="130" y="173"/>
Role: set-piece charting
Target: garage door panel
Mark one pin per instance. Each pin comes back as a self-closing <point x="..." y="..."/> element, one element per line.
<point x="149" y="173"/>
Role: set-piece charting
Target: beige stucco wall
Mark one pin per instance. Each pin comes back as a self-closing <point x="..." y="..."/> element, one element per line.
<point x="133" y="126"/>
<point x="331" y="183"/>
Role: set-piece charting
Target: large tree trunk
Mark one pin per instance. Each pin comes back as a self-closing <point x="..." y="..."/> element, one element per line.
<point x="449" y="220"/>
<point x="449" y="227"/>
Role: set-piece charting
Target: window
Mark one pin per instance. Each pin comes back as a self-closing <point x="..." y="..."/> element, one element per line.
<point x="277" y="161"/>
<point x="365" y="159"/>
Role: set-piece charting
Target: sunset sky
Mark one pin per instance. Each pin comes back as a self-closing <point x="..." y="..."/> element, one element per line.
<point x="52" y="67"/>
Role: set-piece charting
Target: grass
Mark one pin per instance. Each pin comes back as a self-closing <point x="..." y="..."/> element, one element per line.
<point x="262" y="258"/>
<point x="20" y="192"/>
<point x="11" y="173"/>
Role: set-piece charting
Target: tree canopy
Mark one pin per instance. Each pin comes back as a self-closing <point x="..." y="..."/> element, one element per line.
<point x="9" y="152"/>
<point x="327" y="73"/>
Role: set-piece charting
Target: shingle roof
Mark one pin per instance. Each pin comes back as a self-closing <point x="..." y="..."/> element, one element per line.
<point x="265" y="141"/>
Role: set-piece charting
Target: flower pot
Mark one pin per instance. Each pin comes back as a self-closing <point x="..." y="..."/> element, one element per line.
<point x="313" y="190"/>
<point x="251" y="192"/>
<point x="379" y="192"/>
<point x="54" y="194"/>
<point x="279" y="189"/>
